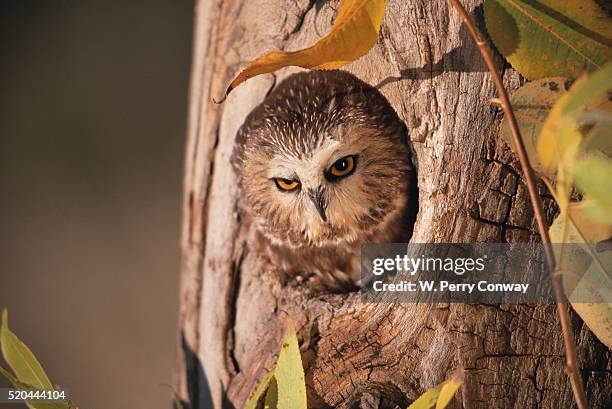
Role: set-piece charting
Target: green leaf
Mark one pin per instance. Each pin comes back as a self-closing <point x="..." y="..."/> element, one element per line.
<point x="531" y="104"/>
<point x="22" y="361"/>
<point x="29" y="373"/>
<point x="289" y="373"/>
<point x="550" y="38"/>
<point x="593" y="176"/>
<point x="263" y="385"/>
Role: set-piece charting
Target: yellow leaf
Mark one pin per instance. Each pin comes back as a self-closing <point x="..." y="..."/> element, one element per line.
<point x="439" y="396"/>
<point x="286" y="384"/>
<point x="585" y="271"/>
<point x="531" y="104"/>
<point x="354" y="32"/>
<point x="427" y="400"/>
<point x="560" y="138"/>
<point x="581" y="228"/>
<point x="595" y="288"/>
<point x="289" y="373"/>
<point x="449" y="389"/>
<point x="261" y="388"/>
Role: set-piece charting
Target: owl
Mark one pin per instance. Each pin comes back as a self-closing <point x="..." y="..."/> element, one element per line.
<point x="324" y="166"/>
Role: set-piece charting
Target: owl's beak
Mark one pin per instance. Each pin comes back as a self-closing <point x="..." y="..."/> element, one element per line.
<point x="318" y="199"/>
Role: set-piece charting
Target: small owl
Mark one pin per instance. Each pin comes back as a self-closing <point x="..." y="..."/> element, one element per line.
<point x="324" y="167"/>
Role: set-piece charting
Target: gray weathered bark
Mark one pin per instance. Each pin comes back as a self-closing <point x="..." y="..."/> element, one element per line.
<point x="359" y="355"/>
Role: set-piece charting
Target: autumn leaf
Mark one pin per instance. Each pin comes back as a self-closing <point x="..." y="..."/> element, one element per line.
<point x="354" y="32"/>
<point x="531" y="104"/>
<point x="585" y="270"/>
<point x="440" y="395"/>
<point x="591" y="298"/>
<point x="261" y="388"/>
<point x="583" y="161"/>
<point x="427" y="400"/>
<point x="289" y="372"/>
<point x="285" y="386"/>
<point x="550" y="38"/>
<point x="449" y="389"/>
<point x="561" y="136"/>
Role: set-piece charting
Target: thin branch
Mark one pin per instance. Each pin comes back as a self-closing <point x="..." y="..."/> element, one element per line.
<point x="571" y="369"/>
<point x="496" y="102"/>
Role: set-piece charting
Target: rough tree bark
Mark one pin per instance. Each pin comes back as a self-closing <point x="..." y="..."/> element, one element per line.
<point x="471" y="190"/>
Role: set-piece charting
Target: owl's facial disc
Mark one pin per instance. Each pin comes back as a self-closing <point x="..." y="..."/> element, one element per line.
<point x="333" y="193"/>
<point x="313" y="190"/>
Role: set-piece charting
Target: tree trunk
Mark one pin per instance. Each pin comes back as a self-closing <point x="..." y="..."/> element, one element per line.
<point x="470" y="190"/>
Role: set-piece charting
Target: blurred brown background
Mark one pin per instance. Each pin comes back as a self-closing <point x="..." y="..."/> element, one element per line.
<point x="93" y="98"/>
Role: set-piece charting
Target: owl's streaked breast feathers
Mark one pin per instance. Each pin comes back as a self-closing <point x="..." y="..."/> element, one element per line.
<point x="324" y="166"/>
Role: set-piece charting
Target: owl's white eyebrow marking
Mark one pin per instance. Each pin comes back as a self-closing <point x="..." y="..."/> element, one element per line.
<point x="283" y="166"/>
<point x="282" y="173"/>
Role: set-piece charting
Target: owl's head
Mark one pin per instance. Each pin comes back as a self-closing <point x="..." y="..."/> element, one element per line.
<point x="323" y="161"/>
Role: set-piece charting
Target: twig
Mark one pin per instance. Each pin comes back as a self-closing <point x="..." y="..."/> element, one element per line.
<point x="496" y="102"/>
<point x="562" y="308"/>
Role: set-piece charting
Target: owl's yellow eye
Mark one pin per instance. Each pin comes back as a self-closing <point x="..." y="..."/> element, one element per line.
<point x="342" y="167"/>
<point x="286" y="184"/>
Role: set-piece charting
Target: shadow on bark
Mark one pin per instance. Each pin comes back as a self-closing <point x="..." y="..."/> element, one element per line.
<point x="198" y="390"/>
